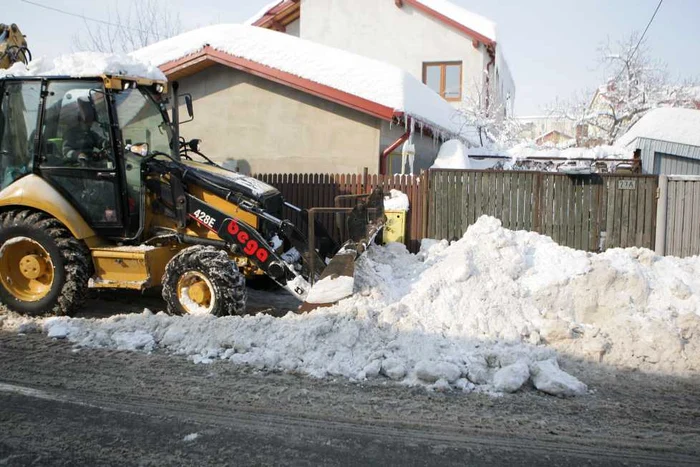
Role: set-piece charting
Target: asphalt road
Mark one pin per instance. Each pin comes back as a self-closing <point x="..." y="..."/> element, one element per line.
<point x="63" y="406"/>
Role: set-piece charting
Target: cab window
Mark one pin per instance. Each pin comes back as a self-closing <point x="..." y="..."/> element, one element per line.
<point x="76" y="126"/>
<point x="19" y="107"/>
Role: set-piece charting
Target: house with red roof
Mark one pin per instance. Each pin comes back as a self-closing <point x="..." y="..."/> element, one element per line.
<point x="271" y="102"/>
<point x="452" y="50"/>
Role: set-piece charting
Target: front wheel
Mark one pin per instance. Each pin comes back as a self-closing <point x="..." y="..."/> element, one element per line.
<point x="202" y="280"/>
<point x="43" y="268"/>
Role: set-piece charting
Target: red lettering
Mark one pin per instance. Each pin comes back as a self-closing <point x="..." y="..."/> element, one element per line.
<point x="233" y="227"/>
<point x="262" y="255"/>
<point x="242" y="237"/>
<point x="250" y="248"/>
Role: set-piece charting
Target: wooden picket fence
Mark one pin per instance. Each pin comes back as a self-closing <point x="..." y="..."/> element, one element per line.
<point x="681" y="226"/>
<point x="320" y="190"/>
<point x="587" y="212"/>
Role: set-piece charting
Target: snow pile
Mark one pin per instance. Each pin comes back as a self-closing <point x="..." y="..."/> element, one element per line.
<point x="488" y="312"/>
<point x="396" y="201"/>
<point x="369" y="79"/>
<point x="87" y="64"/>
<point x="452" y="155"/>
<point x="526" y="151"/>
<point x="666" y="124"/>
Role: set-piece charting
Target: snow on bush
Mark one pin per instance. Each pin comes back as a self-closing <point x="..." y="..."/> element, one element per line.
<point x="487" y="312"/>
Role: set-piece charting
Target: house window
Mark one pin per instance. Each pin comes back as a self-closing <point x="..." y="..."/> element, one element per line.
<point x="445" y="78"/>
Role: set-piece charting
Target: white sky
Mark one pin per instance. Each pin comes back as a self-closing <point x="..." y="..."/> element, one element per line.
<point x="550" y="44"/>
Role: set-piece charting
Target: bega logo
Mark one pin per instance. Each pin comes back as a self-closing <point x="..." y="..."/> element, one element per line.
<point x="251" y="247"/>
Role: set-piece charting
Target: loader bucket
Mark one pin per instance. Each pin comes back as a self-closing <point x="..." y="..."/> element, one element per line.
<point x="337" y="281"/>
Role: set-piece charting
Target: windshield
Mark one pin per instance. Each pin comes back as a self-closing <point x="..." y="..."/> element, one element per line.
<point x="141" y="119"/>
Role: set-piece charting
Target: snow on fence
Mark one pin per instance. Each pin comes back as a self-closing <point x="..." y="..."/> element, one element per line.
<point x="320" y="190"/>
<point x="678" y="220"/>
<point x="588" y="212"/>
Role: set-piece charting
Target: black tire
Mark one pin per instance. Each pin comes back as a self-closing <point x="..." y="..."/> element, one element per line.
<point x="72" y="265"/>
<point x="228" y="284"/>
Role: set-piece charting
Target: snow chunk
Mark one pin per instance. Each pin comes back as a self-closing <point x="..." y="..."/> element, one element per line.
<point x="87" y="64"/>
<point x="396" y="201"/>
<point x="547" y="377"/>
<point x="369" y="79"/>
<point x="434" y="371"/>
<point x="331" y="289"/>
<point x="511" y="378"/>
<point x="666" y="124"/>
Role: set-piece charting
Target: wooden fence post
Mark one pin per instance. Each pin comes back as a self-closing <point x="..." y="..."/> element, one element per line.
<point x="426" y="202"/>
<point x="537" y="209"/>
<point x="662" y="206"/>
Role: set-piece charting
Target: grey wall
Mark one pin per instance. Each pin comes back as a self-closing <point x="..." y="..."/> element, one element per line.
<point x="670" y="166"/>
<point x="666" y="164"/>
<point x="261" y="126"/>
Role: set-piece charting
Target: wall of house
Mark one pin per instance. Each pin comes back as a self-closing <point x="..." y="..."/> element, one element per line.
<point x="404" y="37"/>
<point x="426" y="149"/>
<point x="294" y="28"/>
<point x="261" y="126"/>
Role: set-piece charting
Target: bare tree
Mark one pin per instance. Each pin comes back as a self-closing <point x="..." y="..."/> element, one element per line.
<point x="128" y="29"/>
<point x="636" y="84"/>
<point x="488" y="116"/>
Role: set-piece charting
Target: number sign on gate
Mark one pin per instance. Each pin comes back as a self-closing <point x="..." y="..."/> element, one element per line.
<point x="627" y="184"/>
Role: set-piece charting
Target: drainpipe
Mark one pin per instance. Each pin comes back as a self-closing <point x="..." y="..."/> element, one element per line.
<point x="383" y="156"/>
<point x="492" y="53"/>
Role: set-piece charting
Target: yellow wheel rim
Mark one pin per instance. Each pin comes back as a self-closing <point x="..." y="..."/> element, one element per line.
<point x="195" y="293"/>
<point x="26" y="269"/>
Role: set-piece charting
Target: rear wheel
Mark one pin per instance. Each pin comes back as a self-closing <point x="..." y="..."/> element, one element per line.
<point x="43" y="268"/>
<point x="203" y="280"/>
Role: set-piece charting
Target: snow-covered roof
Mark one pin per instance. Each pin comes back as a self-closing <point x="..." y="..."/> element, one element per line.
<point x="87" y="64"/>
<point x="262" y="12"/>
<point x="466" y="18"/>
<point x="666" y="124"/>
<point x="368" y="79"/>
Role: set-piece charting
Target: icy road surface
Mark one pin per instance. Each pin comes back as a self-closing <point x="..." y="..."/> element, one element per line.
<point x="60" y="406"/>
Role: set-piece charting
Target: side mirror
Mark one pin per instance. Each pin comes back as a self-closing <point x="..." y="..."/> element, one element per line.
<point x="188" y="104"/>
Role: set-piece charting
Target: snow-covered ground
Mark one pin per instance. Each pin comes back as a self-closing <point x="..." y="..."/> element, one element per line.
<point x="489" y="312"/>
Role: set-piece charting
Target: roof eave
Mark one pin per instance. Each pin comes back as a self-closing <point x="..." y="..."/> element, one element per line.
<point x="449" y="21"/>
<point x="208" y="56"/>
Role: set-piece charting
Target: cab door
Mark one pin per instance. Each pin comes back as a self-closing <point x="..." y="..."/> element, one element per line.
<point x="19" y="110"/>
<point x="76" y="152"/>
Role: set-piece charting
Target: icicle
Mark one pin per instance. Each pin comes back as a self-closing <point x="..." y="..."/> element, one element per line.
<point x="408" y="154"/>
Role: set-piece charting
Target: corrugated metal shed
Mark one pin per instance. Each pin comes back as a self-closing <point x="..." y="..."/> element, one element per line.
<point x="667" y="158"/>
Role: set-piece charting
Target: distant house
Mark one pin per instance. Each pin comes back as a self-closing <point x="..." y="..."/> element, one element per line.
<point x="270" y="102"/>
<point x="534" y="127"/>
<point x="669" y="140"/>
<point x="554" y="138"/>
<point x="452" y="50"/>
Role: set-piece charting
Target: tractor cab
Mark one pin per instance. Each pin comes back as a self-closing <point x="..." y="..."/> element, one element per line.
<point x="87" y="138"/>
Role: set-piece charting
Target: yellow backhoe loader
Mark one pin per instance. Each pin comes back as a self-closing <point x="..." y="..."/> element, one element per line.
<point x="98" y="190"/>
<point x="13" y="46"/>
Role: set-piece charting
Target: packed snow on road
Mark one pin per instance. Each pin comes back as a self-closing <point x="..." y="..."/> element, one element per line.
<point x="491" y="312"/>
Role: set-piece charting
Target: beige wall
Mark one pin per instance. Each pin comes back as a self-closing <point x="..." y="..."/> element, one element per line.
<point x="261" y="126"/>
<point x="404" y="37"/>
